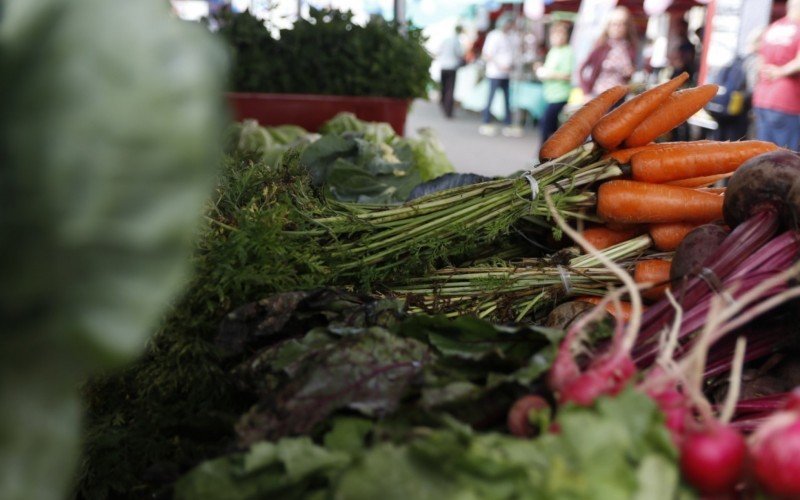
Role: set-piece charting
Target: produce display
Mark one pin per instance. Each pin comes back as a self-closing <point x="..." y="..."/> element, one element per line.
<point x="607" y="324"/>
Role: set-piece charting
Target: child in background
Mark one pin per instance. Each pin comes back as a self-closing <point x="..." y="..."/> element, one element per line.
<point x="556" y="73"/>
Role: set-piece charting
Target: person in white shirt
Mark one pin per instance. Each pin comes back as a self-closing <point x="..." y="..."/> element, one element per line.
<point x="498" y="53"/>
<point x="450" y="56"/>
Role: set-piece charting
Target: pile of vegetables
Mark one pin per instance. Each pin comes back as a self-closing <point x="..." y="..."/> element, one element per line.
<point x="583" y="330"/>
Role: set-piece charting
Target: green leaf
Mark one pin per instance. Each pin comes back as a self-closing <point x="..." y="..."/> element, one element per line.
<point x="472" y="339"/>
<point x="319" y="157"/>
<point x="355" y="169"/>
<point x="348" y="434"/>
<point x="302" y="458"/>
<point x="370" y="373"/>
<point x="429" y="156"/>
<point x="348" y="122"/>
<point x="453" y="392"/>
<point x="107" y="160"/>
<point x="658" y="479"/>
<point x="389" y="472"/>
<point x="286" y="468"/>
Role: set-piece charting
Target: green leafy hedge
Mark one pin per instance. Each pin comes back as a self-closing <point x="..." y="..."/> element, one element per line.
<point x="328" y="53"/>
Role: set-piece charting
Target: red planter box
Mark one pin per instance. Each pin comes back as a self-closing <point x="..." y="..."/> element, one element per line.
<point x="311" y="111"/>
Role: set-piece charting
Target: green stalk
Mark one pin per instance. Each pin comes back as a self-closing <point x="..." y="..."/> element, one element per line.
<point x="525" y="289"/>
<point x="372" y="242"/>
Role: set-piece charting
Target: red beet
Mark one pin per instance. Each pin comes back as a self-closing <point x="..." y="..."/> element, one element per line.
<point x="770" y="181"/>
<point x="695" y="249"/>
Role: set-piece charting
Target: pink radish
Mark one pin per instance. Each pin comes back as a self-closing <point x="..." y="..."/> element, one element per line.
<point x="775" y="447"/>
<point x="608" y="373"/>
<point x="713" y="459"/>
<point x="713" y="454"/>
<point x="674" y="404"/>
<point x="528" y="416"/>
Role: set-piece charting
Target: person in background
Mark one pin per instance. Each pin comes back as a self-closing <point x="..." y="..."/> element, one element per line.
<point x="450" y="57"/>
<point x="476" y="47"/>
<point x="555" y="74"/>
<point x="734" y="126"/>
<point x="776" y="98"/>
<point x="613" y="60"/>
<point x="498" y="53"/>
<point x="682" y="57"/>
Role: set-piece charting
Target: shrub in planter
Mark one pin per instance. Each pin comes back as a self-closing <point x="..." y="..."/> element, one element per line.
<point x="328" y="53"/>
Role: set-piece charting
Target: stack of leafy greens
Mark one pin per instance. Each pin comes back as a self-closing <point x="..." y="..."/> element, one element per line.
<point x="619" y="449"/>
<point x="352" y="160"/>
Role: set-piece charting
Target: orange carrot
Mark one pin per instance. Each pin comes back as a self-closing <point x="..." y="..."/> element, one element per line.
<point x="575" y="131"/>
<point x="631" y="201"/>
<point x="667" y="236"/>
<point x="654" y="271"/>
<point x="603" y="237"/>
<point x="623" y="156"/>
<point x="695" y="160"/>
<point x="677" y="109"/>
<point x="624" y="312"/>
<point x="617" y="125"/>
<point x="696" y="182"/>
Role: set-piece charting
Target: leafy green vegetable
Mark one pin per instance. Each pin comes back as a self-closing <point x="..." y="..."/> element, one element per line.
<point x="429" y="156"/>
<point x="348" y="122"/>
<point x="379" y="59"/>
<point x="354" y="160"/>
<point x="369" y="372"/>
<point x="288" y="468"/>
<point x="351" y="168"/>
<point x="110" y="128"/>
<point x="269" y="144"/>
<point x="619" y="449"/>
<point x="289" y="315"/>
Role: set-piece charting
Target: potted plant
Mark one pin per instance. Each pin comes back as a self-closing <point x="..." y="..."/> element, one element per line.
<point x="323" y="65"/>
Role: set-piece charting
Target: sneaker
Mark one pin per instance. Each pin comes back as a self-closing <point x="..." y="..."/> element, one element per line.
<point x="513" y="132"/>
<point x="488" y="130"/>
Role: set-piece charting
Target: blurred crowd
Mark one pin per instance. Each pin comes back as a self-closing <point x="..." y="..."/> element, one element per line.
<point x="760" y="94"/>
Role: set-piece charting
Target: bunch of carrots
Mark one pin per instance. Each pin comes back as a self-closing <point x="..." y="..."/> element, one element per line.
<point x="668" y="191"/>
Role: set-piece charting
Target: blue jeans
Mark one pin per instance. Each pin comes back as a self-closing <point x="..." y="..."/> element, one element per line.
<point x="781" y="128"/>
<point x="494" y="84"/>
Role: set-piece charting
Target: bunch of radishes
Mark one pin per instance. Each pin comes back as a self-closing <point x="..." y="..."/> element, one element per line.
<point x="722" y="281"/>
